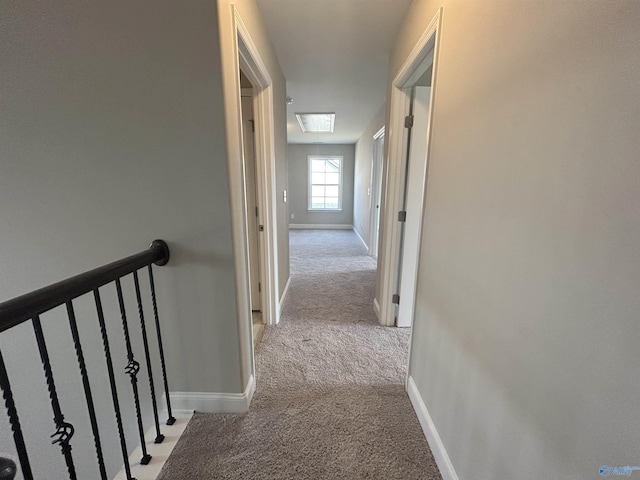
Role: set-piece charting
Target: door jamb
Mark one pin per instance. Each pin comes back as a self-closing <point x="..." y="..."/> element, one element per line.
<point x="394" y="172"/>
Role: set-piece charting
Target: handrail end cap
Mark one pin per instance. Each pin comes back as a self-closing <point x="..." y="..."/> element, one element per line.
<point x="163" y="248"/>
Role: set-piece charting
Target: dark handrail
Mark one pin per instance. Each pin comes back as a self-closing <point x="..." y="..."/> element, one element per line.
<point x="14" y="312"/>
<point x="32" y="305"/>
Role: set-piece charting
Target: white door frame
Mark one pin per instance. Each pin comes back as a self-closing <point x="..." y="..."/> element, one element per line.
<point x="394" y="172"/>
<point x="375" y="190"/>
<point x="243" y="54"/>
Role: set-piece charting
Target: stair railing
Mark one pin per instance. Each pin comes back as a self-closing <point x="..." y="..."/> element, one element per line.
<point x="30" y="307"/>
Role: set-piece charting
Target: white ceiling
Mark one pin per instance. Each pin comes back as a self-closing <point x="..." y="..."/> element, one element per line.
<point x="334" y="56"/>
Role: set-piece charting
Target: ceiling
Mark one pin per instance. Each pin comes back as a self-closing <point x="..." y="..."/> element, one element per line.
<point x="334" y="55"/>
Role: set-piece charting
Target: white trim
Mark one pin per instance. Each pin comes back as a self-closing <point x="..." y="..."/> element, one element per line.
<point x="233" y="127"/>
<point x="395" y="166"/>
<point x="433" y="438"/>
<point x="213" y="402"/>
<point x="355" y="230"/>
<point x="393" y="176"/>
<point x="283" y="297"/>
<point x="376" y="308"/>
<point x="320" y="226"/>
<point x="159" y="451"/>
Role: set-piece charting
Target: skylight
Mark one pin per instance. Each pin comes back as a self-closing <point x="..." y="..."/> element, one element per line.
<point x="316" y="122"/>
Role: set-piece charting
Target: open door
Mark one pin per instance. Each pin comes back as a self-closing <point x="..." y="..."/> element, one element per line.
<point x="413" y="203"/>
<point x="249" y="158"/>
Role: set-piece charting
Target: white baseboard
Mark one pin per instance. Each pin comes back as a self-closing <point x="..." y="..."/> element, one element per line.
<point x="355" y="230"/>
<point x="319" y="226"/>
<point x="433" y="438"/>
<point x="213" y="402"/>
<point x="159" y="451"/>
<point x="376" y="309"/>
<point x="282" y="299"/>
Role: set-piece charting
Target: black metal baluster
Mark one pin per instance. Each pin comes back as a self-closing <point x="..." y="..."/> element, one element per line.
<point x="170" y="420"/>
<point x="132" y="370"/>
<point x="14" y="421"/>
<point x="159" y="436"/>
<point x="65" y="430"/>
<point x="87" y="388"/>
<point x="112" y="381"/>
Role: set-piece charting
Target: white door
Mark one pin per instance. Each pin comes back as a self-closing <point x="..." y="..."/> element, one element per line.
<point x="416" y="181"/>
<point x="252" y="204"/>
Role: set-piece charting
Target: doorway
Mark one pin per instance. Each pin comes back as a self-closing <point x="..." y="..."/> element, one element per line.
<point x="405" y="178"/>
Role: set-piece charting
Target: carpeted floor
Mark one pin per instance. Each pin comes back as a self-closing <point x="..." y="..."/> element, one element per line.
<point x="330" y="401"/>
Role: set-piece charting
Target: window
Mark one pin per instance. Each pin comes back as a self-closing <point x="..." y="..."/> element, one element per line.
<point x="325" y="182"/>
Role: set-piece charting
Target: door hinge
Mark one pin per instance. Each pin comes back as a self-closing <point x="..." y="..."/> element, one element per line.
<point x="259" y="287"/>
<point x="256" y="211"/>
<point x="402" y="216"/>
<point x="408" y="121"/>
<point x="253" y="126"/>
<point x="395" y="299"/>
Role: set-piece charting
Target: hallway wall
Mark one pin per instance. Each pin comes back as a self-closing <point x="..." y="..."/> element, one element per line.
<point x="112" y="135"/>
<point x="297" y="156"/>
<point x="362" y="187"/>
<point x="526" y="321"/>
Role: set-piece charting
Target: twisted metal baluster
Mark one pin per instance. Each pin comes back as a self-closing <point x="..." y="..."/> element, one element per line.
<point x="65" y="430"/>
<point x="159" y="436"/>
<point x="112" y="382"/>
<point x="170" y="420"/>
<point x="87" y="388"/>
<point x="132" y="369"/>
<point x="14" y="421"/>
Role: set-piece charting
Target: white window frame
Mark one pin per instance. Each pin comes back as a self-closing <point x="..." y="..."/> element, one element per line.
<point x="310" y="159"/>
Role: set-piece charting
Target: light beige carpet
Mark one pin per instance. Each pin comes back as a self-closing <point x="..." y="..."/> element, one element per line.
<point x="330" y="400"/>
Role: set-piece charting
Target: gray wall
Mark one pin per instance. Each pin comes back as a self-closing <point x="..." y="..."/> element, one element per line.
<point x="526" y="322"/>
<point x="298" y="184"/>
<point x="111" y="135"/>
<point x="362" y="188"/>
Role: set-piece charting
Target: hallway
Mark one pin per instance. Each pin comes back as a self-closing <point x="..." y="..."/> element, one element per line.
<point x="330" y="400"/>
